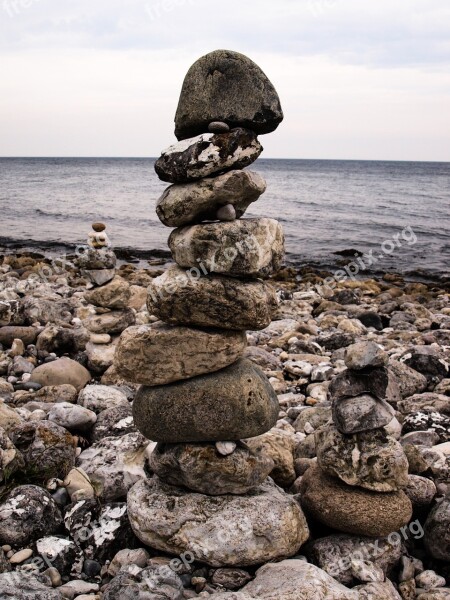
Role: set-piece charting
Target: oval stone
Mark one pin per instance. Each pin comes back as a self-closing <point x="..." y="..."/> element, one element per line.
<point x="234" y="403"/>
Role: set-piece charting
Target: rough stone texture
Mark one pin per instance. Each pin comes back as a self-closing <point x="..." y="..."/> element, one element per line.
<point x="113" y="422"/>
<point x="409" y="380"/>
<point x="333" y="554"/>
<point x="100" y="397"/>
<point x="222" y="530"/>
<point x="10" y="458"/>
<point x="365" y="354"/>
<point x="26" y="587"/>
<point x="61" y="371"/>
<point x="361" y="413"/>
<point x="101" y="530"/>
<point x="199" y="201"/>
<point x="9" y="417"/>
<point x="246" y="247"/>
<point x="111" y="322"/>
<point x="296" y="580"/>
<point x="28" y="513"/>
<point x="421" y="491"/>
<point x="201" y="468"/>
<point x="228" y="87"/>
<point x="115" y="464"/>
<point x="96" y="259"/>
<point x="350" y="509"/>
<point x="114" y="295"/>
<point x="437" y="531"/>
<point x="279" y="445"/>
<point x="100" y="356"/>
<point x="126" y="557"/>
<point x="211" y="301"/>
<point x="426" y="402"/>
<point x="207" y="155"/>
<point x="59" y="552"/>
<point x="376" y="382"/>
<point x="159" y="354"/>
<point x="429" y="422"/>
<point x="47" y="448"/>
<point x="99" y="276"/>
<point x="235" y="403"/>
<point x="152" y="583"/>
<point x="377" y="591"/>
<point x="57" y="393"/>
<point x="371" y="460"/>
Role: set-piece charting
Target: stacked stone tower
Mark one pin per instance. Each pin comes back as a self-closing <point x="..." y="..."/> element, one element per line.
<point x="199" y="398"/>
<point x="97" y="261"/>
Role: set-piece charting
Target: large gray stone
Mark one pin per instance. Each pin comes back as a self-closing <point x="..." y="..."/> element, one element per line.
<point x="211" y="301"/>
<point x="363" y="355"/>
<point x="263" y="525"/>
<point x="378" y="382"/>
<point x="350" y="509"/>
<point x="226" y="86"/>
<point x="246" y="247"/>
<point x="199" y="201"/>
<point x="234" y="403"/>
<point x="159" y="354"/>
<point x="27" y="514"/>
<point x="207" y="155"/>
<point x="437" y="531"/>
<point x="24" y="586"/>
<point x="114" y="295"/>
<point x="371" y="460"/>
<point x="201" y="468"/>
<point x="95" y="259"/>
<point x="296" y="580"/>
<point x="361" y="413"/>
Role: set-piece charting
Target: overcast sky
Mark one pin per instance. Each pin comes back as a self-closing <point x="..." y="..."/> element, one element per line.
<point x="359" y="79"/>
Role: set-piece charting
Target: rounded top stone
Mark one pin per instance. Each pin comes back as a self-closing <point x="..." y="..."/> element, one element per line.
<point x="98" y="227"/>
<point x="226" y="86"/>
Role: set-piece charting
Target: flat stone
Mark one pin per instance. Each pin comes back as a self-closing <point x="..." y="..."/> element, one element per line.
<point x="409" y="380"/>
<point x="98" y="398"/>
<point x="279" y="445"/>
<point x="211" y="301"/>
<point x="114" y="295"/>
<point x="234" y="403"/>
<point x="351" y="509"/>
<point x="159" y="354"/>
<point x="61" y="371"/>
<point x="426" y="402"/>
<point x="95" y="259"/>
<point x="363" y="355"/>
<point x="208" y="154"/>
<point x="201" y="468"/>
<point x="98" y="276"/>
<point x="246" y="247"/>
<point x="9" y="333"/>
<point x="112" y="322"/>
<point x="361" y="413"/>
<point x="371" y="460"/>
<point x="188" y="203"/>
<point x="376" y="382"/>
<point x="226" y="86"/>
<point x="263" y="525"/>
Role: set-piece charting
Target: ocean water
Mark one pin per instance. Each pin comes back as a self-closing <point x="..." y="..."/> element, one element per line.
<point x="396" y="212"/>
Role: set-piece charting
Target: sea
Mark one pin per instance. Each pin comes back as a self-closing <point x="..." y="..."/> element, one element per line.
<point x="394" y="216"/>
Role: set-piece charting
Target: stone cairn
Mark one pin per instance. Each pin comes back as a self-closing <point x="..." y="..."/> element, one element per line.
<point x="97" y="261"/>
<point x="358" y="460"/>
<point x="199" y="399"/>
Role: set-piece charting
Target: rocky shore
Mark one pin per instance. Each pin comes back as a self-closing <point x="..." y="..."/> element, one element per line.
<point x="224" y="426"/>
<point x="70" y="451"/>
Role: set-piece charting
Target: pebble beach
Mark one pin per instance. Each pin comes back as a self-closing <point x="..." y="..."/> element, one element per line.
<point x="222" y="424"/>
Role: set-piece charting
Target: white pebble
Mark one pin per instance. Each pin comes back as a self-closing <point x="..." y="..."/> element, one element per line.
<point x="225" y="448"/>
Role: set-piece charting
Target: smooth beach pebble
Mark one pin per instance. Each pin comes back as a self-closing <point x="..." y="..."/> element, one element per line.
<point x="98" y="227"/>
<point x="20" y="557"/>
<point x="218" y="127"/>
<point x="226" y="213"/>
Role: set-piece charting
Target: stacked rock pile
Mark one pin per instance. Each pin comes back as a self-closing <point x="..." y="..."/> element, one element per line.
<point x="357" y="458"/>
<point x="199" y="399"/>
<point x="97" y="261"/>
